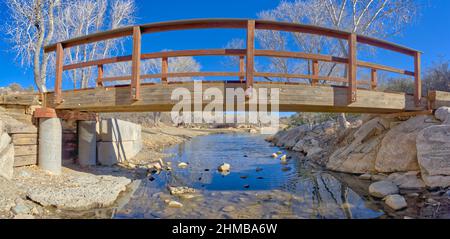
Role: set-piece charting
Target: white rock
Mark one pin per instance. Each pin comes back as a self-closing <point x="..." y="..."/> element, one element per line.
<point x="175" y="204"/>
<point x="274" y="155"/>
<point x="396" y="202"/>
<point x="366" y="176"/>
<point x="224" y="167"/>
<point x="182" y="165"/>
<point x="180" y="190"/>
<point x="7" y="162"/>
<point x="382" y="189"/>
<point x="228" y="209"/>
<point x="283" y="158"/>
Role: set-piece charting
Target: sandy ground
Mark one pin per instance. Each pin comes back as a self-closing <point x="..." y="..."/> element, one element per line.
<point x="93" y="192"/>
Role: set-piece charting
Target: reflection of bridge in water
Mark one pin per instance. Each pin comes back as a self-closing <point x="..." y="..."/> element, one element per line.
<point x="323" y="94"/>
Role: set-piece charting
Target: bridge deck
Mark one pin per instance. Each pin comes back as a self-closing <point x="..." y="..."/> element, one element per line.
<point x="293" y="97"/>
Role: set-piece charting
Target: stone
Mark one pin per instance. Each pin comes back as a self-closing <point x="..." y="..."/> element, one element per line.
<point x="77" y="191"/>
<point x="20" y="209"/>
<point x="7" y="162"/>
<point x="115" y="130"/>
<point x="180" y="190"/>
<point x="289" y="138"/>
<point x="359" y="156"/>
<point x="443" y="114"/>
<point x="433" y="151"/>
<point x="224" y="167"/>
<point x="382" y="189"/>
<point x="378" y="177"/>
<point x="398" y="152"/>
<point x="175" y="204"/>
<point x="111" y="153"/>
<point x="5" y="140"/>
<point x="366" y="176"/>
<point x="182" y="165"/>
<point x="274" y="155"/>
<point x="228" y="209"/>
<point x="283" y="158"/>
<point x="396" y="202"/>
<point x="409" y="180"/>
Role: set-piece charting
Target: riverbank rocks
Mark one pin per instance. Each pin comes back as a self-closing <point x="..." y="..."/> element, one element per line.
<point x="408" y="180"/>
<point x="6" y="154"/>
<point x="433" y="150"/>
<point x="182" y="165"/>
<point x="359" y="156"/>
<point x="396" y="202"/>
<point x="175" y="204"/>
<point x="382" y="189"/>
<point x="398" y="152"/>
<point x="288" y="138"/>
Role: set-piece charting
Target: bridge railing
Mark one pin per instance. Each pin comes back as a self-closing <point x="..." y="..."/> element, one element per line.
<point x="246" y="56"/>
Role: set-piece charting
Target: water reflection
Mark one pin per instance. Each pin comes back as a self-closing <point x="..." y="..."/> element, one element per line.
<point x="258" y="185"/>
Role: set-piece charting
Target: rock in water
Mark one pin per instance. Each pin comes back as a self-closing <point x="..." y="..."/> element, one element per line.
<point x="433" y="152"/>
<point x="274" y="155"/>
<point x="228" y="209"/>
<point x="182" y="165"/>
<point x="180" y="190"/>
<point x="224" y="167"/>
<point x="396" y="202"/>
<point x="175" y="204"/>
<point x="382" y="189"/>
<point x="283" y="158"/>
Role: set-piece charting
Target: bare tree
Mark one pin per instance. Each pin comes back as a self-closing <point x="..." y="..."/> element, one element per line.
<point x="33" y="24"/>
<point x="30" y="27"/>
<point x="382" y="18"/>
<point x="83" y="17"/>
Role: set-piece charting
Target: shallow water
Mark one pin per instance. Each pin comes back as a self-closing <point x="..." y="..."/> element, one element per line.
<point x="258" y="186"/>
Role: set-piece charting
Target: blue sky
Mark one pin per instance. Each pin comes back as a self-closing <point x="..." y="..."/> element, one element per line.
<point x="430" y="33"/>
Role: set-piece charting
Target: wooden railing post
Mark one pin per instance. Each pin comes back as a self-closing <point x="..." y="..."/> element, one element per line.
<point x="164" y="70"/>
<point x="373" y="79"/>
<point x="136" y="64"/>
<point x="250" y="52"/>
<point x="59" y="72"/>
<point x="417" y="79"/>
<point x="315" y="71"/>
<point x="241" y="69"/>
<point x="352" y="68"/>
<point x="99" y="75"/>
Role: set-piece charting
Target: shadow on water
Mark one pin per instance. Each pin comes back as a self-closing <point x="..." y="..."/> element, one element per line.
<point x="258" y="186"/>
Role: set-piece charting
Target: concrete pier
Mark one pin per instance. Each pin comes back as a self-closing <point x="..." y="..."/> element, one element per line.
<point x="87" y="143"/>
<point x="50" y="140"/>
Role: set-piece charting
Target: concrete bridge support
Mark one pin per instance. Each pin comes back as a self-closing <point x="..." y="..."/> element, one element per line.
<point x="50" y="140"/>
<point x="87" y="143"/>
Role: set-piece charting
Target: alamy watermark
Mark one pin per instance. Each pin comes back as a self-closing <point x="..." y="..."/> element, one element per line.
<point x="229" y="106"/>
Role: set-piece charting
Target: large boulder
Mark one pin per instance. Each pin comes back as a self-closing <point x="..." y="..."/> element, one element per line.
<point x="398" y="152"/>
<point x="443" y="114"/>
<point x="433" y="151"/>
<point x="6" y="154"/>
<point x="408" y="180"/>
<point x="359" y="156"/>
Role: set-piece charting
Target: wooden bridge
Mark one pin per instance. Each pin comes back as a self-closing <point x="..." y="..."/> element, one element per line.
<point x="323" y="94"/>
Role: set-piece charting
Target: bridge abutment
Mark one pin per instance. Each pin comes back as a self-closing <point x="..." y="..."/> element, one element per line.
<point x="87" y="143"/>
<point x="50" y="145"/>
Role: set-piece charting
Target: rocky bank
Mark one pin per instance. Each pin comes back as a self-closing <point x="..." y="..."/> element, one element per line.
<point x="399" y="153"/>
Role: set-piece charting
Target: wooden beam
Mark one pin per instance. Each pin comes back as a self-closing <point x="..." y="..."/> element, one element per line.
<point x="352" y="68"/>
<point x="373" y="79"/>
<point x="242" y="68"/>
<point x="99" y="75"/>
<point x="136" y="64"/>
<point x="417" y="79"/>
<point x="46" y="112"/>
<point x="59" y="72"/>
<point x="164" y="69"/>
<point x="408" y="114"/>
<point x="250" y="52"/>
<point x="315" y="72"/>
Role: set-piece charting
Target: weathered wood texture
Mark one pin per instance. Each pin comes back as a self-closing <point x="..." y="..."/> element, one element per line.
<point x="439" y="99"/>
<point x="293" y="97"/>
